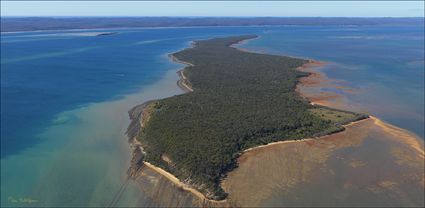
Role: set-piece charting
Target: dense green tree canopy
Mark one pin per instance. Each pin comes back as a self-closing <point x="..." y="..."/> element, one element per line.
<point x="240" y="100"/>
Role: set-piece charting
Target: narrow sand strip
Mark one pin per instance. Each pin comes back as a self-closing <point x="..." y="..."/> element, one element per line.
<point x="408" y="137"/>
<point x="178" y="183"/>
<point x="301" y="140"/>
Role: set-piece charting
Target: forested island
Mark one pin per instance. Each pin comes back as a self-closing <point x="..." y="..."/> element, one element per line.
<point x="237" y="100"/>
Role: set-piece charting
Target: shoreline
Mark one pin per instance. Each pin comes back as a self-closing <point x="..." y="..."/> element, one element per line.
<point x="317" y="80"/>
<point x="185" y="187"/>
<point x="155" y="28"/>
<point x="311" y="64"/>
<point x="307" y="139"/>
<point x="183" y="82"/>
<point x="137" y="149"/>
<point x="240" y="43"/>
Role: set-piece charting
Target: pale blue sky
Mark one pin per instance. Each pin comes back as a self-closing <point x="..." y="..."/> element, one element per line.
<point x="215" y="8"/>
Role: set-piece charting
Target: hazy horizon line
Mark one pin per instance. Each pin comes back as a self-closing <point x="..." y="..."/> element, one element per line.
<point x="132" y="16"/>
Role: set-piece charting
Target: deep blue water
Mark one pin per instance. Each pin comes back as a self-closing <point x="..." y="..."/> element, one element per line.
<point x="384" y="65"/>
<point x="45" y="73"/>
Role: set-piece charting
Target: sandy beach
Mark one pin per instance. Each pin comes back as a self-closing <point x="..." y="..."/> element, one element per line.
<point x="305" y="139"/>
<point x="183" y="81"/>
<point x="179" y="183"/>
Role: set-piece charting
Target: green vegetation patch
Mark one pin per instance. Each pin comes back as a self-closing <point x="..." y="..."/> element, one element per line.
<point x="336" y="116"/>
<point x="240" y="100"/>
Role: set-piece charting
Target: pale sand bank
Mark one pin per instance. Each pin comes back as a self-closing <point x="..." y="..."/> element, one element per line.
<point x="179" y="183"/>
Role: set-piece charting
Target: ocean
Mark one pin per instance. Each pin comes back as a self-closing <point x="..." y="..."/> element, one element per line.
<point x="383" y="66"/>
<point x="65" y="97"/>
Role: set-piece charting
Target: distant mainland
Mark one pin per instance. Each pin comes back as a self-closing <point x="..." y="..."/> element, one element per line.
<point x="15" y="24"/>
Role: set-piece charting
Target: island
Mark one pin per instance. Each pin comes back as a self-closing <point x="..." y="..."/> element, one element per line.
<point x="235" y="100"/>
<point x="106" y="33"/>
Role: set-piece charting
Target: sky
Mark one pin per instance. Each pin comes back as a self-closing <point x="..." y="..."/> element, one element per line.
<point x="215" y="8"/>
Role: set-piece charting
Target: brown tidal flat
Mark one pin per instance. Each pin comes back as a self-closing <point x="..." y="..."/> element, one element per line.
<point x="311" y="88"/>
<point x="371" y="163"/>
<point x="366" y="165"/>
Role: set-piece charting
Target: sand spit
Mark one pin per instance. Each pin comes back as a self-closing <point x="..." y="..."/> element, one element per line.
<point x="408" y="137"/>
<point x="178" y="60"/>
<point x="183" y="82"/>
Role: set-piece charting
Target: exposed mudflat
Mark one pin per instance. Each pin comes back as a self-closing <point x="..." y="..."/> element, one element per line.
<point x="369" y="164"/>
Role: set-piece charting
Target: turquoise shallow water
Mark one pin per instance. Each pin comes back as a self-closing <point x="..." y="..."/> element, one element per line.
<point x="65" y="97"/>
